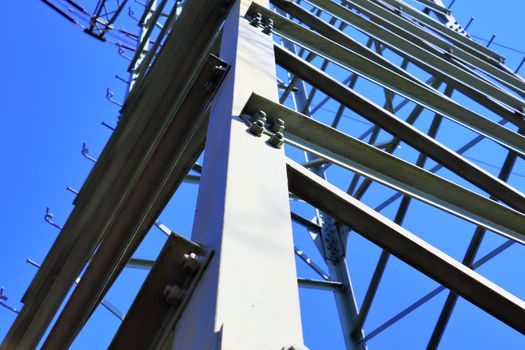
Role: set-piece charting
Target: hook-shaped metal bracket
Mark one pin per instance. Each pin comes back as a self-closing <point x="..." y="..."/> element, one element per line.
<point x="48" y="217"/>
<point x="121" y="51"/>
<point x="131" y="14"/>
<point x="4" y="298"/>
<point x="109" y="96"/>
<point x="85" y="153"/>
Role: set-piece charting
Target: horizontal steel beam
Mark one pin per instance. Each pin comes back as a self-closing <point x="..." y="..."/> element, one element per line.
<point x="435" y="7"/>
<point x="419" y="35"/>
<point x="400" y="129"/>
<point x="427" y="58"/>
<point x="406" y="246"/>
<point x="319" y="284"/>
<point x="358" y="156"/>
<point x="411" y="88"/>
<point x="459" y="40"/>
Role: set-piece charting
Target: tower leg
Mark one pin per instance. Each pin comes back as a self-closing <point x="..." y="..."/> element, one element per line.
<point x="248" y="296"/>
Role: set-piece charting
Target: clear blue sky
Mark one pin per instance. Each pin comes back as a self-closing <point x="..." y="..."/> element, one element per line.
<point x="53" y="99"/>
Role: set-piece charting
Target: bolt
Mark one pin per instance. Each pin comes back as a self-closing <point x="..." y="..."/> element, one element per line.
<point x="259" y="115"/>
<point x="256" y="20"/>
<point x="268" y="26"/>
<point x="256" y="128"/>
<point x="192" y="262"/>
<point x="276" y="140"/>
<point x="277" y="125"/>
<point x="173" y="294"/>
<point x="218" y="73"/>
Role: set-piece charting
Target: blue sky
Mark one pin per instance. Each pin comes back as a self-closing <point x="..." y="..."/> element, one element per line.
<point x="53" y="99"/>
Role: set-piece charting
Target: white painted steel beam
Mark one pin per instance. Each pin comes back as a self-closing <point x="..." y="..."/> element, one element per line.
<point x="248" y="296"/>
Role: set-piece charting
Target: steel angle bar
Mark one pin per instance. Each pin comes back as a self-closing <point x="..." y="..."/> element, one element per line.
<point x="104" y="302"/>
<point x="107" y="23"/>
<point x="309" y="225"/>
<point x="139" y="52"/>
<point x="401" y="129"/>
<point x="391" y="171"/>
<point x="398" y="219"/>
<point x="308" y="261"/>
<point x="407" y="87"/>
<point x="468" y="260"/>
<point x="407" y="247"/>
<point x="103" y="193"/>
<point x="464" y="81"/>
<point x="454" y="37"/>
<point x="319" y="284"/>
<point x="490" y="255"/>
<point x="141" y="264"/>
<point x="435" y="7"/>
<point x="173" y="157"/>
<point x="420" y="36"/>
<point x="317" y="44"/>
<point x="163" y="295"/>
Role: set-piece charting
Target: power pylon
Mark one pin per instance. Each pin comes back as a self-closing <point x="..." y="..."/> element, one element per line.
<point x="252" y="84"/>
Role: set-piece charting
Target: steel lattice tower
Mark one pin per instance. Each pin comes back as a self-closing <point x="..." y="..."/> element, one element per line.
<point x="340" y="119"/>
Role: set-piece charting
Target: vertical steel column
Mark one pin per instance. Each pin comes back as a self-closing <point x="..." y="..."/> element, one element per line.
<point x="248" y="296"/>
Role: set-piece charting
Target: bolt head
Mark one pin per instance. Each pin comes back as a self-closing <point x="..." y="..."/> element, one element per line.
<point x="256" y="128"/>
<point x="277" y="125"/>
<point x="173" y="294"/>
<point x="192" y="262"/>
<point x="276" y="140"/>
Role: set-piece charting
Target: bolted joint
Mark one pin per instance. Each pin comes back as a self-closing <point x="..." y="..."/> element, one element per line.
<point x="268" y="26"/>
<point x="276" y="125"/>
<point x="257" y="20"/>
<point x="218" y="73"/>
<point x="256" y="128"/>
<point x="173" y="294"/>
<point x="259" y="115"/>
<point x="192" y="262"/>
<point x="276" y="140"/>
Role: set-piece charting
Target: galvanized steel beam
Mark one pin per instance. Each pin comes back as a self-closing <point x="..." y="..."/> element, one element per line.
<point x="401" y="129"/>
<point x="360" y="157"/>
<point x="407" y="247"/>
<point x="126" y="154"/>
<point x="419" y="35"/>
<point x="374" y="67"/>
<point x="174" y="156"/>
<point x="457" y="39"/>
<point x="426" y="58"/>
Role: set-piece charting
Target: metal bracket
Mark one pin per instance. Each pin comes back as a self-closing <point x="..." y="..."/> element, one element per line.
<point x="164" y="295"/>
<point x="258" y="21"/>
<point x="333" y="247"/>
